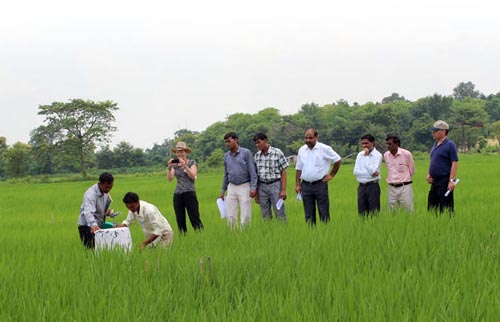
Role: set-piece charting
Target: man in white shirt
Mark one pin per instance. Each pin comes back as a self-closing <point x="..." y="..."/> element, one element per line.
<point x="156" y="228"/>
<point x="367" y="172"/>
<point x="312" y="176"/>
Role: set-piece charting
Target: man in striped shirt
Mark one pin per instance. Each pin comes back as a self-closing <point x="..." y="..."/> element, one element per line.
<point x="271" y="166"/>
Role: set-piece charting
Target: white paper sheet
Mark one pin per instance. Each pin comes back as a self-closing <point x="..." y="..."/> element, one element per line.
<point x="279" y="204"/>
<point x="221" y="204"/>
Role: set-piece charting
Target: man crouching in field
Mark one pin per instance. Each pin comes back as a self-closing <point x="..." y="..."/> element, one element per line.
<point x="94" y="208"/>
<point x="156" y="228"/>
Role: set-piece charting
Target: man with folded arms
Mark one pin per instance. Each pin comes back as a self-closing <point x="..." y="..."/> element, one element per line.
<point x="367" y="172"/>
<point x="313" y="174"/>
<point x="400" y="171"/>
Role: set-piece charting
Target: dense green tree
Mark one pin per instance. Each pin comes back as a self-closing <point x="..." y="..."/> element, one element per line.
<point x="123" y="155"/>
<point x="493" y="107"/>
<point x="158" y="154"/>
<point x="468" y="117"/>
<point x="216" y="158"/>
<point x="17" y="160"/>
<point x="437" y="106"/>
<point x="243" y="125"/>
<point x="211" y="139"/>
<point x="394" y="97"/>
<point x="310" y="115"/>
<point x="464" y="90"/>
<point x="67" y="158"/>
<point x="84" y="123"/>
<point x="419" y="137"/>
<point x="44" y="150"/>
<point x="105" y="158"/>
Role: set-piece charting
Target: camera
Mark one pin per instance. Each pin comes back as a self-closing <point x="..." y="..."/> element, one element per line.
<point x="175" y="160"/>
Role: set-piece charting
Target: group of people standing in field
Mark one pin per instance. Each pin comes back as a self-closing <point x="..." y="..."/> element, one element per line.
<point x="442" y="173"/>
<point x="262" y="177"/>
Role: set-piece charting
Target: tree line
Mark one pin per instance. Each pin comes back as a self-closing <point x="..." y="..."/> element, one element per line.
<point x="75" y="135"/>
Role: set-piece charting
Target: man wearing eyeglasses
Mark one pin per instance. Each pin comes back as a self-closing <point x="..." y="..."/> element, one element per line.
<point x="442" y="169"/>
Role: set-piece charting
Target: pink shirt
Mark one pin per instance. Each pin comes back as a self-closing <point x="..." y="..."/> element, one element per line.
<point x="400" y="167"/>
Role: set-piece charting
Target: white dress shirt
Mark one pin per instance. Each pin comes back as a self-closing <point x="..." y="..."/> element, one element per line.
<point x="315" y="163"/>
<point x="367" y="165"/>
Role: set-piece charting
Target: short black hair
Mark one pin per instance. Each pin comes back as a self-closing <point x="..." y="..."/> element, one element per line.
<point x="130" y="197"/>
<point x="106" y="177"/>
<point x="394" y="139"/>
<point x="259" y="136"/>
<point x="368" y="137"/>
<point x="230" y="135"/>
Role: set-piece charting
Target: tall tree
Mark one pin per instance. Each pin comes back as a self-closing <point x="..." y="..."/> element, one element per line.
<point x="469" y="116"/>
<point x="464" y="90"/>
<point x="84" y="122"/>
<point x="43" y="150"/>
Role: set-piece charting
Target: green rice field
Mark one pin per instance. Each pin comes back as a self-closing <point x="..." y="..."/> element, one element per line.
<point x="394" y="267"/>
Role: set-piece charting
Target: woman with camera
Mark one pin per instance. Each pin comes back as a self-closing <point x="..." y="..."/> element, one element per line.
<point x="185" y="171"/>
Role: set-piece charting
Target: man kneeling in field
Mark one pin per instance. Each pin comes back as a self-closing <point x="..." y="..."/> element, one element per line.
<point x="156" y="228"/>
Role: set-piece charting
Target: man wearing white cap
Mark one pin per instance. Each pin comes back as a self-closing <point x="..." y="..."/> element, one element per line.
<point x="442" y="169"/>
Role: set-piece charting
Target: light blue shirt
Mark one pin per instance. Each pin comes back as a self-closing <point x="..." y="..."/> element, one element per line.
<point x="367" y="165"/>
<point x="239" y="168"/>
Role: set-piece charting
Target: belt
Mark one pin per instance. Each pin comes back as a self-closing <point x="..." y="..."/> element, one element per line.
<point x="238" y="184"/>
<point x="368" y="183"/>
<point x="312" y="182"/>
<point x="397" y="185"/>
<point x="270" y="181"/>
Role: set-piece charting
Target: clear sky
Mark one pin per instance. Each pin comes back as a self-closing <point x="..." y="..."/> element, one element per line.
<point x="187" y="64"/>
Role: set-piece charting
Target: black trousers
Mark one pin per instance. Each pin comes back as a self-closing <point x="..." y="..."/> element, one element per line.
<point x="86" y="236"/>
<point x="436" y="200"/>
<point x="368" y="199"/>
<point x="187" y="201"/>
<point x="313" y="194"/>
